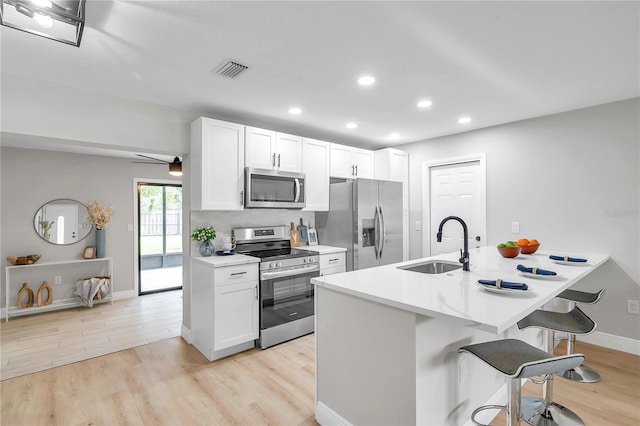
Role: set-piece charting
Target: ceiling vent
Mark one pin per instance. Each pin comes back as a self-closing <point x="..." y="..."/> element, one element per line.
<point x="230" y="68"/>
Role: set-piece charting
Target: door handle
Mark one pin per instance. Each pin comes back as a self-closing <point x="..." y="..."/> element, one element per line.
<point x="278" y="160"/>
<point x="297" y="196"/>
<point x="273" y="160"/>
<point x="477" y="237"/>
<point x="376" y="233"/>
<point x="383" y="231"/>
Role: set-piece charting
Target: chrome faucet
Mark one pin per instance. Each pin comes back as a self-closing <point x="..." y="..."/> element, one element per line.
<point x="464" y="255"/>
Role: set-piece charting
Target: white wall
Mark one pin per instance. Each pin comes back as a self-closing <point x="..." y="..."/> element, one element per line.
<point x="572" y="181"/>
<point x="30" y="178"/>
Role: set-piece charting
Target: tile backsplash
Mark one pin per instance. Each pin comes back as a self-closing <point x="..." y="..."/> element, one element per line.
<point x="224" y="221"/>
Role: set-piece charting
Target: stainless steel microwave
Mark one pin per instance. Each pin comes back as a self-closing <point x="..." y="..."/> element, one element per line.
<point x="273" y="189"/>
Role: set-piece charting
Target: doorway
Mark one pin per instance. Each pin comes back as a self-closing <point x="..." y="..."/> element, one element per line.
<point x="159" y="237"/>
<point x="454" y="187"/>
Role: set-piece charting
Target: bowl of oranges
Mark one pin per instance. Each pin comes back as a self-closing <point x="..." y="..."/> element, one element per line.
<point x="509" y="249"/>
<point x="528" y="246"/>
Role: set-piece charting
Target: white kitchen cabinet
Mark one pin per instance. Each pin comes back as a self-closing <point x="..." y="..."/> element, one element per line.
<point x="316" y="157"/>
<point x="266" y="149"/>
<point x="349" y="162"/>
<point x="393" y="165"/>
<point x="332" y="263"/>
<point x="217" y="165"/>
<point x="224" y="308"/>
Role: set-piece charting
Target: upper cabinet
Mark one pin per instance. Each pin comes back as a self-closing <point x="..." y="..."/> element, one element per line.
<point x="316" y="157"/>
<point x="266" y="149"/>
<point x="217" y="165"/>
<point x="349" y="162"/>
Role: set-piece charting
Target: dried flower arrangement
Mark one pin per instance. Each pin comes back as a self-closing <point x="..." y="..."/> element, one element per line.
<point x="99" y="215"/>
<point x="204" y="234"/>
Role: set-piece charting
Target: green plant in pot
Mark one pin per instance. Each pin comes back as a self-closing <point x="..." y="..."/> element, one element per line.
<point x="205" y="236"/>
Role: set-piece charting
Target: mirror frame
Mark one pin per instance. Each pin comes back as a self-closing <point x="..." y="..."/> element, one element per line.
<point x="84" y="226"/>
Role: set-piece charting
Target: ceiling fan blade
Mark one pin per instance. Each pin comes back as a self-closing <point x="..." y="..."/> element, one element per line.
<point x="155" y="159"/>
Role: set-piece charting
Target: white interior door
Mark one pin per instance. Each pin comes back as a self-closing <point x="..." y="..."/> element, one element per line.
<point x="65" y="218"/>
<point x="455" y="188"/>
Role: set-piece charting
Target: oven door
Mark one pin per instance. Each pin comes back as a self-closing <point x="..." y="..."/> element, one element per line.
<point x="286" y="296"/>
<point x="273" y="189"/>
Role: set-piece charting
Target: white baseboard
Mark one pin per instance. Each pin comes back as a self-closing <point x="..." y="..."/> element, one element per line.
<point x="127" y="294"/>
<point x="186" y="334"/>
<point x="618" y="343"/>
<point x="326" y="416"/>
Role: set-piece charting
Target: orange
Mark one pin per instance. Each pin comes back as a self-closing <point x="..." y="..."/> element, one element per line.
<point x="523" y="242"/>
<point x="533" y="242"/>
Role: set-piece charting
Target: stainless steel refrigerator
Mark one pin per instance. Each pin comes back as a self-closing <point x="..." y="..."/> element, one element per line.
<point x="365" y="217"/>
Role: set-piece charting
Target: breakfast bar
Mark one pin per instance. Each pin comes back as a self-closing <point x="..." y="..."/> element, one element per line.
<point x="387" y="337"/>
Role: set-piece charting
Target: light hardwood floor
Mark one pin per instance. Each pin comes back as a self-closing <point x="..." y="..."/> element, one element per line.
<point x="38" y="342"/>
<point x="169" y="382"/>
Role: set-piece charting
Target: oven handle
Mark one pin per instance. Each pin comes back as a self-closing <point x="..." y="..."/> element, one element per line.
<point x="290" y="272"/>
<point x="297" y="197"/>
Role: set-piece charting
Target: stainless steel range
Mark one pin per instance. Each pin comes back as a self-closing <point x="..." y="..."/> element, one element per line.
<point x="286" y="292"/>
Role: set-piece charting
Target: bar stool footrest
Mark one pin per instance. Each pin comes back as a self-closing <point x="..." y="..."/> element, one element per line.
<point x="485" y="407"/>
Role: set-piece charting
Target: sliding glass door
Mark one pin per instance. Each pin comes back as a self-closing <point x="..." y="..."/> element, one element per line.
<point x="159" y="237"/>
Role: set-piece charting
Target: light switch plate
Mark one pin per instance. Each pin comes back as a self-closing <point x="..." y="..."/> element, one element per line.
<point x="515" y="227"/>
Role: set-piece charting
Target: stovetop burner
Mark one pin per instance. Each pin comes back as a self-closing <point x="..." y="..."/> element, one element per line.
<point x="268" y="244"/>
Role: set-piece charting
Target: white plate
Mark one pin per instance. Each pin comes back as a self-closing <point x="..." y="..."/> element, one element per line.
<point x="562" y="262"/>
<point x="540" y="276"/>
<point x="493" y="289"/>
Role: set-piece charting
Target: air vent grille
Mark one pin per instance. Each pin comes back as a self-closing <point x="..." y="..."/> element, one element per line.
<point x="230" y="68"/>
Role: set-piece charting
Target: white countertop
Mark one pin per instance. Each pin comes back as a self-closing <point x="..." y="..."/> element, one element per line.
<point x="324" y="249"/>
<point x="456" y="295"/>
<point x="220" y="261"/>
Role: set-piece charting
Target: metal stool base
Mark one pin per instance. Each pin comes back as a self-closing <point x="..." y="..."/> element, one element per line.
<point x="537" y="412"/>
<point x="485" y="407"/>
<point x="582" y="374"/>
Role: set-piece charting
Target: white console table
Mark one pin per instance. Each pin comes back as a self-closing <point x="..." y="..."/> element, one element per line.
<point x="68" y="273"/>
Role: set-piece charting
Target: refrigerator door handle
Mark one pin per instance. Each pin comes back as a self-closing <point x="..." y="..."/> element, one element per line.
<point x="383" y="231"/>
<point x="376" y="233"/>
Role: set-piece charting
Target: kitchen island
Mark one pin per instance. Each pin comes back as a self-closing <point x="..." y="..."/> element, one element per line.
<point x="387" y="338"/>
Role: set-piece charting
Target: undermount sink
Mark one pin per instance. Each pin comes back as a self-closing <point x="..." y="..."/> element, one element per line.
<point x="432" y="267"/>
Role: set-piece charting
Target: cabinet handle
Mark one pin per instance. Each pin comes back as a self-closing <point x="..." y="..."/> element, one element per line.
<point x="242" y="198"/>
<point x="353" y="170"/>
<point x="278" y="160"/>
<point x="333" y="260"/>
<point x="273" y="160"/>
<point x="256" y="291"/>
<point x="356" y="170"/>
<point x="238" y="273"/>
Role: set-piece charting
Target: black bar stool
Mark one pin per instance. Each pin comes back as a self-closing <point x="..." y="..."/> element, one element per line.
<point x="544" y="411"/>
<point x="517" y="360"/>
<point x="582" y="373"/>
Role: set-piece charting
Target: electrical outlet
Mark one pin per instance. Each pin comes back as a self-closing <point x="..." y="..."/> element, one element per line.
<point x="58" y="279"/>
<point x="633" y="307"/>
<point x="515" y="227"/>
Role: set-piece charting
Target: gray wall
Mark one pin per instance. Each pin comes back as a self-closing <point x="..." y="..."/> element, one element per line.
<point x="572" y="181"/>
<point x="30" y="178"/>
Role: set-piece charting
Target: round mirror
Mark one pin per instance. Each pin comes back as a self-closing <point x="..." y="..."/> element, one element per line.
<point x="62" y="221"/>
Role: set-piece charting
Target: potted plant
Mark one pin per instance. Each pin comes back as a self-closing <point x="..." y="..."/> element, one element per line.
<point x="205" y="236"/>
<point x="99" y="217"/>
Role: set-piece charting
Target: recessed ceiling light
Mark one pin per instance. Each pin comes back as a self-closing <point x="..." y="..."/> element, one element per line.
<point x="464" y="120"/>
<point x="424" y="104"/>
<point x="394" y="136"/>
<point x="295" y="111"/>
<point x="366" y="80"/>
<point x="351" y="125"/>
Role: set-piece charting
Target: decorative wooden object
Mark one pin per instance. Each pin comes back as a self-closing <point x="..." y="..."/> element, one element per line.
<point x="25" y="290"/>
<point x="45" y="287"/>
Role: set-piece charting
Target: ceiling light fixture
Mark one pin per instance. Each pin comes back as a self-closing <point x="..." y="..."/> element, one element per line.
<point x="295" y="111"/>
<point x="394" y="136"/>
<point x="351" y="125"/>
<point x="424" y="104"/>
<point x="366" y="80"/>
<point x="464" y="120"/>
<point x="62" y="21"/>
<point x="175" y="167"/>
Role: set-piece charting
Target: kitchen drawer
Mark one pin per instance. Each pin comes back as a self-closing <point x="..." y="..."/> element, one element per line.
<point x="334" y="270"/>
<point x="233" y="274"/>
<point x="332" y="260"/>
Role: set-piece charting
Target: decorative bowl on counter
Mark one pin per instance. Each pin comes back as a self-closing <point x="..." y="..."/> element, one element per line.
<point x="529" y="249"/>
<point x="23" y="260"/>
<point x="509" y="251"/>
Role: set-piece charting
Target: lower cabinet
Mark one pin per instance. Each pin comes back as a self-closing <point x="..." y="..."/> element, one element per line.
<point x="224" y="308"/>
<point x="332" y="263"/>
